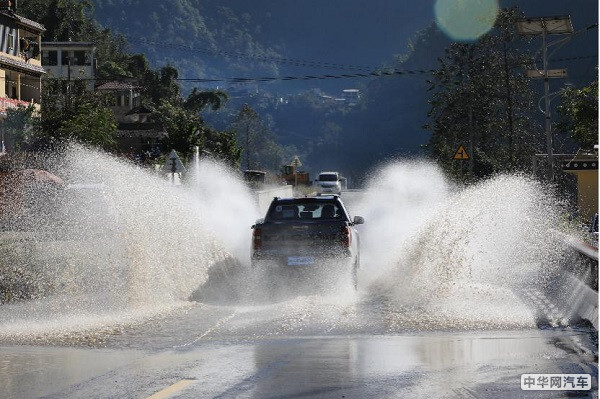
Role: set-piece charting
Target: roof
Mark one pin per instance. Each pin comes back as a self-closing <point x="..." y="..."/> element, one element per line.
<point x="21" y="65"/>
<point x="26" y="22"/>
<point x="117" y="85"/>
<point x="67" y="44"/>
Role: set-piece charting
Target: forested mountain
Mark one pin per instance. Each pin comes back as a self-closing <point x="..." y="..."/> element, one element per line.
<point x="265" y="37"/>
<point x="218" y="39"/>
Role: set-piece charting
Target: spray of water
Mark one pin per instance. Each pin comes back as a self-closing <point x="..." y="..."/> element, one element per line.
<point x="123" y="244"/>
<point x="445" y="257"/>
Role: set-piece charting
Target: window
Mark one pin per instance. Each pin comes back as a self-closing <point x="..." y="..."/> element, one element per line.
<point x="49" y="57"/>
<point x="328" y="177"/>
<point x="137" y="100"/>
<point x="11" y="41"/>
<point x="311" y="210"/>
<point x="66" y="56"/>
<point x="79" y="58"/>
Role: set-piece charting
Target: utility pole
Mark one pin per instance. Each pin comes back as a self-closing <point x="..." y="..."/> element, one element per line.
<point x="248" y="146"/>
<point x="544" y="26"/>
<point x="68" y="82"/>
<point x="548" y="121"/>
<point x="471" y="144"/>
<point x="509" y="105"/>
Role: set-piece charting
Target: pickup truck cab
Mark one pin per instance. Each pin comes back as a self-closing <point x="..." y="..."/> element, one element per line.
<point x="329" y="183"/>
<point x="307" y="233"/>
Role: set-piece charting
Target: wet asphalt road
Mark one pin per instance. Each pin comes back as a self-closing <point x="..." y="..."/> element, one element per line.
<point x="452" y="365"/>
<point x="300" y="345"/>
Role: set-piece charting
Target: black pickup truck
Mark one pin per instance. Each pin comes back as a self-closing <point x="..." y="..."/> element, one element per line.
<point x="312" y="234"/>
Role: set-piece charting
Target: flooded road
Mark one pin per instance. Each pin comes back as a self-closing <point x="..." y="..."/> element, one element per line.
<point x="453" y="298"/>
<point x="453" y="365"/>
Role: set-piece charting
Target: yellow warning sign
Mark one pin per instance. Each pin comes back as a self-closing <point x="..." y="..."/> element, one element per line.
<point x="461" y="153"/>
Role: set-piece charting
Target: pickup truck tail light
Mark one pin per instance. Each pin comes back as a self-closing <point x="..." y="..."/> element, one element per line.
<point x="346" y="236"/>
<point x="257" y="238"/>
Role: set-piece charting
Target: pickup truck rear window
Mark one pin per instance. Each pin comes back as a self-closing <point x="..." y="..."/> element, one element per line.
<point x="306" y="211"/>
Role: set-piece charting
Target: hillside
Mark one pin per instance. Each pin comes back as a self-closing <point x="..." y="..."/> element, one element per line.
<point x="216" y="39"/>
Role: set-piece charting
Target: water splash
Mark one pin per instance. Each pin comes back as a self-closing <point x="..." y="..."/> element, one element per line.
<point x="123" y="243"/>
<point x="459" y="257"/>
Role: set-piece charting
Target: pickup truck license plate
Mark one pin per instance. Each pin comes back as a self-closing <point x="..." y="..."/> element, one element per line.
<point x="300" y="260"/>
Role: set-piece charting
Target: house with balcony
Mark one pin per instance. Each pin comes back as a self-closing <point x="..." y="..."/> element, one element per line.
<point x="20" y="59"/>
<point x="137" y="132"/>
<point x="70" y="60"/>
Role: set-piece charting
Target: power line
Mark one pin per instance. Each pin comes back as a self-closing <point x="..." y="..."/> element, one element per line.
<point x="368" y="74"/>
<point x="245" y="56"/>
<point x="282" y="60"/>
<point x="583" y="57"/>
<point x="372" y="73"/>
<point x="393" y="72"/>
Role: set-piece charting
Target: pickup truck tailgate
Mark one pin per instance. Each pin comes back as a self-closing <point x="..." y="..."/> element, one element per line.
<point x="302" y="238"/>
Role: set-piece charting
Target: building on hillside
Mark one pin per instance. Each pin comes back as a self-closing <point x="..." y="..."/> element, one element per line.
<point x="20" y="59"/>
<point x="137" y="134"/>
<point x="126" y="93"/>
<point x="70" y="60"/>
<point x="352" y="96"/>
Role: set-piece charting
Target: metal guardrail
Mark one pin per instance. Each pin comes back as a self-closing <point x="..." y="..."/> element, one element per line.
<point x="586" y="261"/>
<point x="582" y="247"/>
<point x="580" y="276"/>
<point x="577" y="244"/>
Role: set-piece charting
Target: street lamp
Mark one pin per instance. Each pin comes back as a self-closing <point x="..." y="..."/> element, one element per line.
<point x="544" y="26"/>
<point x="553" y="95"/>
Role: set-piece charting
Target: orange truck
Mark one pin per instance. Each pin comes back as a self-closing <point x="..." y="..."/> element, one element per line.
<point x="292" y="176"/>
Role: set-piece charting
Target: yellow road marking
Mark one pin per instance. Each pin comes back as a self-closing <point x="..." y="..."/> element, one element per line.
<point x="165" y="393"/>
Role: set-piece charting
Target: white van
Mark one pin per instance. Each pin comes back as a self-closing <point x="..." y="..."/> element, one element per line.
<point x="329" y="183"/>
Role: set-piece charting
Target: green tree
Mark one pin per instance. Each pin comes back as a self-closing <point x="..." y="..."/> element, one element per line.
<point x="162" y="85"/>
<point x="64" y="20"/>
<point x="248" y="125"/>
<point x="222" y="145"/>
<point x="481" y="100"/>
<point x="579" y="114"/>
<point x="183" y="128"/>
<point x="198" y="100"/>
<point x="91" y="124"/>
<point x="186" y="129"/>
<point x="261" y="150"/>
<point x="71" y="112"/>
<point x="17" y="126"/>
